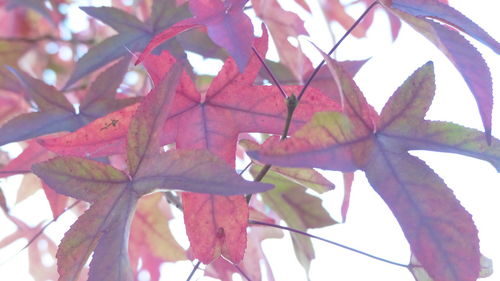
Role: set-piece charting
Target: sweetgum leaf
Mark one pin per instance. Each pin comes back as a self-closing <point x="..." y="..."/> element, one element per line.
<point x="297" y="208"/>
<point x="220" y="229"/>
<point x="133" y="35"/>
<point x="282" y="25"/>
<point x="80" y="178"/>
<point x="150" y="229"/>
<point x="227" y="25"/>
<point x="442" y="12"/>
<point x="441" y="233"/>
<point x="104" y="136"/>
<point x="459" y="51"/>
<point x="187" y="169"/>
<point x="143" y="138"/>
<point x="100" y="98"/>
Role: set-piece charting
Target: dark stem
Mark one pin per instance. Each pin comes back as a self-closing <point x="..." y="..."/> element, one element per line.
<point x="316" y="70"/>
<point x="328" y="241"/>
<point x="283" y="93"/>
<point x="48" y="37"/>
<point x="173" y="199"/>
<point x="244" y="169"/>
<point x="194" y="270"/>
<point x="43" y="229"/>
<point x="242" y="272"/>
<point x="15" y="172"/>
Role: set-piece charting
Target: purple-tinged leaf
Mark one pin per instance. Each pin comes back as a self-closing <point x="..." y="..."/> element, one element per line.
<point x="441" y="233"/>
<point x="466" y="59"/>
<point x="110" y="261"/>
<point x="325" y="142"/>
<point x="228" y="26"/>
<point x="116" y="18"/>
<point x="100" y="98"/>
<point x="436" y="10"/>
<point x="192" y="170"/>
<point x="133" y="38"/>
<point x="107" y="51"/>
<point x="34" y="124"/>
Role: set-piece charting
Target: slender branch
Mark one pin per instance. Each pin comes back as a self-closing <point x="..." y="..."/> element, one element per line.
<point x="329" y="241"/>
<point x="15" y="172"/>
<point x="244" y="169"/>
<point x="283" y="93"/>
<point x="316" y="70"/>
<point x="242" y="272"/>
<point x="173" y="199"/>
<point x="193" y="271"/>
<point x="42" y="230"/>
<point x="48" y="37"/>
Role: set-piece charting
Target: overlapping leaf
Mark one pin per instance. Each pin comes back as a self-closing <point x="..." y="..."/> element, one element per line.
<point x="459" y="51"/>
<point x="441" y="233"/>
<point x="105" y="227"/>
<point x="133" y="35"/>
<point x="10" y="52"/>
<point x="226" y="23"/>
<point x="298" y="209"/>
<point x="56" y="114"/>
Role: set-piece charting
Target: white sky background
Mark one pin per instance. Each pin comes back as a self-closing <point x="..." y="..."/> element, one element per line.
<point x="370" y="225"/>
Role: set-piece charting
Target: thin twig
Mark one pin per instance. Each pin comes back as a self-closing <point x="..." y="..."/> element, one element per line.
<point x="316" y="70"/>
<point x="15" y="172"/>
<point x="244" y="169"/>
<point x="283" y="93"/>
<point x="242" y="272"/>
<point x="328" y="241"/>
<point x="193" y="271"/>
<point x="42" y="230"/>
<point x="48" y="37"/>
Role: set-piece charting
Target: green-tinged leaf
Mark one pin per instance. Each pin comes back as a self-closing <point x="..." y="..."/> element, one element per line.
<point x="105" y="225"/>
<point x="143" y="138"/>
<point x="80" y="178"/>
<point x="464" y="56"/>
<point x="306" y="177"/>
<point x="444" y="137"/>
<point x="192" y="170"/>
<point x="409" y="104"/>
<point x="297" y="208"/>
